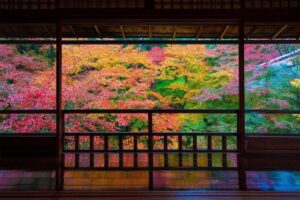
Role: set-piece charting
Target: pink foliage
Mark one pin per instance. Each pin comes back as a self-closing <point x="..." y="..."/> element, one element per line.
<point x="27" y="84"/>
<point x="157" y="55"/>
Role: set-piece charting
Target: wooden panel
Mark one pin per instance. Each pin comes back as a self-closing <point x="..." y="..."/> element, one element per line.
<point x="27" y="146"/>
<point x="276" y="144"/>
<point x="257" y="162"/>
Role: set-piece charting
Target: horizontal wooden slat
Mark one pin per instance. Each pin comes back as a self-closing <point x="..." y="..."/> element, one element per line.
<point x="279" y="144"/>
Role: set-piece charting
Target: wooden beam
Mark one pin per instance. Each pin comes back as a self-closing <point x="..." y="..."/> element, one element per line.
<point x="150" y="31"/>
<point x="174" y="32"/>
<point x="123" y="32"/>
<point x="224" y="31"/>
<point x="73" y="31"/>
<point x="279" y="31"/>
<point x="199" y="32"/>
<point x="98" y="31"/>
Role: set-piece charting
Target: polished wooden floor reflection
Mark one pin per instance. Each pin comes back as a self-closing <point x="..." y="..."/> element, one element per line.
<point x="279" y="173"/>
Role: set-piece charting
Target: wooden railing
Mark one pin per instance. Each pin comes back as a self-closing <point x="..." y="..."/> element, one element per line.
<point x="151" y="149"/>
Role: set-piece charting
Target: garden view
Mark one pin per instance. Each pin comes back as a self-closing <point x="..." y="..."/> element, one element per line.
<point x="146" y="76"/>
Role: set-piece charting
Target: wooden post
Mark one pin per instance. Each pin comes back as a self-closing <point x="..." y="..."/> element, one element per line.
<point x="241" y="112"/>
<point x="59" y="114"/>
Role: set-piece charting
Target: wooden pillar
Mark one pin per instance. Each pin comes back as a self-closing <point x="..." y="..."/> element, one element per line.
<point x="59" y="115"/>
<point x="241" y="112"/>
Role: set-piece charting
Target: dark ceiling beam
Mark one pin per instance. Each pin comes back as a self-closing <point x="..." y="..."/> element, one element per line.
<point x="279" y="31"/>
<point x="98" y="31"/>
<point x="174" y="32"/>
<point x="73" y="31"/>
<point x="123" y="32"/>
<point x="199" y="32"/>
<point x="193" y="16"/>
<point x="224" y="31"/>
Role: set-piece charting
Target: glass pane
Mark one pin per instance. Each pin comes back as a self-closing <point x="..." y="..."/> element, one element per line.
<point x="142" y="159"/>
<point x="128" y="142"/>
<point x="158" y="142"/>
<point x="187" y="159"/>
<point x="231" y="142"/>
<point x="27" y="123"/>
<point x="173" y="159"/>
<point x="106" y="123"/>
<point x="202" y="160"/>
<point x="84" y="160"/>
<point x="98" y="142"/>
<point x="172" y="142"/>
<point x="217" y="159"/>
<point x="128" y="160"/>
<point x="99" y="160"/>
<point x="142" y="142"/>
<point x="113" y="159"/>
<point x="27" y="76"/>
<point x="272" y="76"/>
<point x="216" y="142"/>
<point x="69" y="159"/>
<point x="273" y="123"/>
<point x="113" y="142"/>
<point x="174" y="76"/>
<point x="158" y="160"/>
<point x="187" y="142"/>
<point x="223" y="123"/>
<point x="84" y="143"/>
<point x="69" y="143"/>
<point x="202" y="142"/>
<point x="232" y="160"/>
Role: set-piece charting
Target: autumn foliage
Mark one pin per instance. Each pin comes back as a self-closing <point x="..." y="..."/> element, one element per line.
<point x="148" y="77"/>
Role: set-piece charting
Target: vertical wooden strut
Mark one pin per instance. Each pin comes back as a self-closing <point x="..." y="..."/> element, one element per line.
<point x="150" y="147"/>
<point x="59" y="115"/>
<point x="241" y="113"/>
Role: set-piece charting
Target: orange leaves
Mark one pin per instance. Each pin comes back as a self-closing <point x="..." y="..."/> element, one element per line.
<point x="114" y="76"/>
<point x="166" y="123"/>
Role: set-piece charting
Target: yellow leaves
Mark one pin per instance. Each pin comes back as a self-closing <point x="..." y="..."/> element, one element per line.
<point x="191" y="93"/>
<point x="100" y="57"/>
<point x="178" y="86"/>
<point x="187" y="60"/>
<point x="223" y="73"/>
<point x="295" y="83"/>
<point x="219" y="78"/>
<point x="297" y="116"/>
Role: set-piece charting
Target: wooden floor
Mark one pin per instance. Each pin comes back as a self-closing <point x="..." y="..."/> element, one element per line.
<point x="154" y="195"/>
